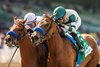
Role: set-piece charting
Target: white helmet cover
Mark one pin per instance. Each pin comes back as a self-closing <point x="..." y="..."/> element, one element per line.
<point x="30" y="17"/>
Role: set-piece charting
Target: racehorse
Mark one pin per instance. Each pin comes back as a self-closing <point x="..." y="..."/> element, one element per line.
<point x="61" y="50"/>
<point x="31" y="55"/>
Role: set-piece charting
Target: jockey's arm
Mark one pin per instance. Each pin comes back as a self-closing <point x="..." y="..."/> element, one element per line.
<point x="71" y="27"/>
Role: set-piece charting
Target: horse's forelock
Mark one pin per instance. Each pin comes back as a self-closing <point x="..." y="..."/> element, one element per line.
<point x="19" y="21"/>
<point x="48" y="19"/>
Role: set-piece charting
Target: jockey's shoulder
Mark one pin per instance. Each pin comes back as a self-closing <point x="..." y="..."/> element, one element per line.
<point x="70" y="10"/>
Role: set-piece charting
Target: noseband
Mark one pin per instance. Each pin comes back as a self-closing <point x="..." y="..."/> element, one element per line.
<point x="44" y="33"/>
<point x="14" y="34"/>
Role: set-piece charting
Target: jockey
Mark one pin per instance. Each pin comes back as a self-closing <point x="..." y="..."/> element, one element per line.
<point x="31" y="21"/>
<point x="69" y="21"/>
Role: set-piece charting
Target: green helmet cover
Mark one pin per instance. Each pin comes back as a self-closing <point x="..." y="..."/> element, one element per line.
<point x="59" y="12"/>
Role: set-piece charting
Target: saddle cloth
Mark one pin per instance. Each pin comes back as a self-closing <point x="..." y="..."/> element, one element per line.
<point x="87" y="48"/>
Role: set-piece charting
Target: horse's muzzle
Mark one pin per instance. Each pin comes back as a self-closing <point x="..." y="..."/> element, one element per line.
<point x="35" y="39"/>
<point x="9" y="41"/>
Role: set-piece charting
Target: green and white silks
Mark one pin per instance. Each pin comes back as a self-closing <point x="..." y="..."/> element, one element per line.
<point x="87" y="49"/>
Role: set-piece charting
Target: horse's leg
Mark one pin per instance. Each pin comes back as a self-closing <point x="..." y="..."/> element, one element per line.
<point x="94" y="60"/>
<point x="93" y="63"/>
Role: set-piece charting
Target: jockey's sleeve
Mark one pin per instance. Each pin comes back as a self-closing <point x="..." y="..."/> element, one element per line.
<point x="72" y="20"/>
<point x="72" y="28"/>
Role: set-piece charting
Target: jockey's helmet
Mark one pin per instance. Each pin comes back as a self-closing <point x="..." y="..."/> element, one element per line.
<point x="59" y="12"/>
<point x="30" y="18"/>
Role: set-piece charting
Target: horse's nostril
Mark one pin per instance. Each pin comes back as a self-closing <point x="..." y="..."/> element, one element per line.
<point x="36" y="38"/>
<point x="9" y="39"/>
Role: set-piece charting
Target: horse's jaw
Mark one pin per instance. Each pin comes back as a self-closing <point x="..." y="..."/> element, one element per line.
<point x="9" y="41"/>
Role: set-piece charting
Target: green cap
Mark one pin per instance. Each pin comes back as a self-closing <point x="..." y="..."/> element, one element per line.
<point x="59" y="12"/>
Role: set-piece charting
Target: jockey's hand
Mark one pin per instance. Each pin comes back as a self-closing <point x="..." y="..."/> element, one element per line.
<point x="64" y="29"/>
<point x="60" y="25"/>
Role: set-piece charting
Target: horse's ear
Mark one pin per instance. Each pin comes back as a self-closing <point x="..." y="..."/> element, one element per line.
<point x="46" y="15"/>
<point x="52" y="16"/>
<point x="14" y="18"/>
<point x="24" y="21"/>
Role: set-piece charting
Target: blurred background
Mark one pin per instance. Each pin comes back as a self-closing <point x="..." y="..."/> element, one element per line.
<point x="89" y="11"/>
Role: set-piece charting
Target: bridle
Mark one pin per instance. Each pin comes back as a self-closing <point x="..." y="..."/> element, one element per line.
<point x="17" y="38"/>
<point x="14" y="34"/>
<point x="45" y="34"/>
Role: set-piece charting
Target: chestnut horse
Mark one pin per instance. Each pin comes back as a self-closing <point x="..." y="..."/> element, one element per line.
<point x="61" y="51"/>
<point x="31" y="55"/>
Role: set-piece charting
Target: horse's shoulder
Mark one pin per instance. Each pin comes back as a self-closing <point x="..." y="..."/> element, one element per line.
<point x="66" y="41"/>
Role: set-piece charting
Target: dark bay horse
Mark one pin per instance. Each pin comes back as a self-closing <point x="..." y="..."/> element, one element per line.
<point x="31" y="55"/>
<point x="61" y="51"/>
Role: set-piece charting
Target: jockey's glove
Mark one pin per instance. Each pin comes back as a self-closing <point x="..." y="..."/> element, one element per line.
<point x="60" y="25"/>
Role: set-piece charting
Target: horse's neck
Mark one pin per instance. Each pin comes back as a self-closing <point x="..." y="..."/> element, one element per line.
<point x="27" y="50"/>
<point x="55" y="43"/>
<point x="25" y="42"/>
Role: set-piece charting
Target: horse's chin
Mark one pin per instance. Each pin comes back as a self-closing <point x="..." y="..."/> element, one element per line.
<point x="34" y="42"/>
<point x="9" y="44"/>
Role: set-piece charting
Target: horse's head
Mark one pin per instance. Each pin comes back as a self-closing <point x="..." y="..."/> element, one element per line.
<point x="44" y="30"/>
<point x="16" y="32"/>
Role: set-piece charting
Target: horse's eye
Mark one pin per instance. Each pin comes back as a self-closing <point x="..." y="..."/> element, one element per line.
<point x="46" y="25"/>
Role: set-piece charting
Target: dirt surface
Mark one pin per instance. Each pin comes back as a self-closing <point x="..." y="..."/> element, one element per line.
<point x="11" y="65"/>
<point x="5" y="56"/>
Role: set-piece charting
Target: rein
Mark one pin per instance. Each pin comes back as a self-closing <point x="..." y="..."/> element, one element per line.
<point x="12" y="57"/>
<point x="12" y="33"/>
<point x="22" y="37"/>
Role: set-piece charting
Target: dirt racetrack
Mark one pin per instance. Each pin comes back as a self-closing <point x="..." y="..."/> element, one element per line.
<point x="12" y="65"/>
<point x="5" y="56"/>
